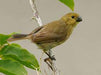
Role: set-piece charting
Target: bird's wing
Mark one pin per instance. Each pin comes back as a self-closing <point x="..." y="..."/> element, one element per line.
<point x="46" y="38"/>
<point x="52" y="32"/>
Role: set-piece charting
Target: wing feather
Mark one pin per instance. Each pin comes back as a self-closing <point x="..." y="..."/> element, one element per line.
<point x="51" y="32"/>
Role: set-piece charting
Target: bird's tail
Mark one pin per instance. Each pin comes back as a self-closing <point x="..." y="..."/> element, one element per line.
<point x="16" y="37"/>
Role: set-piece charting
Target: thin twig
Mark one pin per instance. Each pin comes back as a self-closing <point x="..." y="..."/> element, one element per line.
<point x="39" y="21"/>
<point x="53" y="62"/>
<point x="56" y="71"/>
<point x="35" y="12"/>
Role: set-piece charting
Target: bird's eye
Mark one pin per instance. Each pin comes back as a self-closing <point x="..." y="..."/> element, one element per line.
<point x="73" y="16"/>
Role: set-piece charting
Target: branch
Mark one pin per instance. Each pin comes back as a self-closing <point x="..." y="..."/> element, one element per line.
<point x="39" y="21"/>
<point x="35" y="12"/>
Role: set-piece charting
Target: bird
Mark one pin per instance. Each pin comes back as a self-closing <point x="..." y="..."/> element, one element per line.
<point x="52" y="34"/>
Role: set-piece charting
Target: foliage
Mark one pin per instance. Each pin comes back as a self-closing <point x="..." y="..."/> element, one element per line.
<point x="14" y="58"/>
<point x="69" y="3"/>
<point x="12" y="68"/>
<point x="3" y="39"/>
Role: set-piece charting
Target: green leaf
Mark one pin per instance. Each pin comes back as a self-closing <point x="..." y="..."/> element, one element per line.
<point x="9" y="67"/>
<point x="69" y="3"/>
<point x="17" y="53"/>
<point x="3" y="39"/>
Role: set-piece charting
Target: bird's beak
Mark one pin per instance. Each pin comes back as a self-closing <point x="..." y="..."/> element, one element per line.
<point x="79" y="19"/>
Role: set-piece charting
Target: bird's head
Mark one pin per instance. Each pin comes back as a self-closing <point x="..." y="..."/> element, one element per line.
<point x="72" y="19"/>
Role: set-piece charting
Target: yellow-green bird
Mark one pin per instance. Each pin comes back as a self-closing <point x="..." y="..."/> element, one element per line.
<point x="52" y="34"/>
